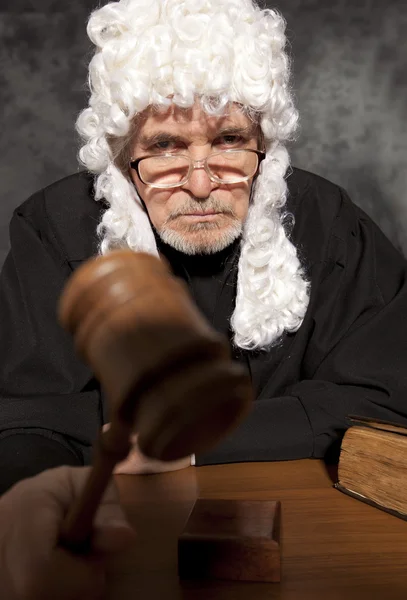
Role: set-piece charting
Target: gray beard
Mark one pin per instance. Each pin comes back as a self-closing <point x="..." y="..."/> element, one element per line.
<point x="205" y="239"/>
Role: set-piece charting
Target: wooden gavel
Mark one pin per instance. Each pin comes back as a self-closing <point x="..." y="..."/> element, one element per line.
<point x="167" y="374"/>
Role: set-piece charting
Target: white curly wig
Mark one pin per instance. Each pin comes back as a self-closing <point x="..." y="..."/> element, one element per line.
<point x="158" y="52"/>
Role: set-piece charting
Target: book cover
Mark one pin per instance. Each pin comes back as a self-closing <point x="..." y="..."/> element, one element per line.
<point x="394" y="429"/>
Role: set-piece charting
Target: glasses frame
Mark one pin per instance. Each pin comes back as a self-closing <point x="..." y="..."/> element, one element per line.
<point x="197" y="164"/>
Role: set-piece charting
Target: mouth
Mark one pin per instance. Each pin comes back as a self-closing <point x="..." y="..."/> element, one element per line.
<point x="202" y="213"/>
<point x="202" y="216"/>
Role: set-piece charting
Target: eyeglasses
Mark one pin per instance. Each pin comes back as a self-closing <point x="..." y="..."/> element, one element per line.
<point x="174" y="170"/>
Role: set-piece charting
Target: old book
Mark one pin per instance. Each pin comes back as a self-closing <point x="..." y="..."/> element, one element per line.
<point x="373" y="464"/>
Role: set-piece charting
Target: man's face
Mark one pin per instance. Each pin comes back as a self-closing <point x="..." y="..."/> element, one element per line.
<point x="196" y="134"/>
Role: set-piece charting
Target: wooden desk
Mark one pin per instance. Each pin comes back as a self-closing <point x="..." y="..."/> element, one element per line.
<point x="333" y="547"/>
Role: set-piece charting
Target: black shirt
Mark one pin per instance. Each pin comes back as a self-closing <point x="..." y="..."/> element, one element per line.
<point x="348" y="357"/>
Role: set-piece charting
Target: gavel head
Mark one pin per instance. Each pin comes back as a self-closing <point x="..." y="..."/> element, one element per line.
<point x="165" y="371"/>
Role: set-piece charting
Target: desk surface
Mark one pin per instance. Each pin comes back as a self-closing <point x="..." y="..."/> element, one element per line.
<point x="333" y="546"/>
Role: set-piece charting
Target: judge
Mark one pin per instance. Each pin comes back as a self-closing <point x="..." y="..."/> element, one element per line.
<point x="184" y="155"/>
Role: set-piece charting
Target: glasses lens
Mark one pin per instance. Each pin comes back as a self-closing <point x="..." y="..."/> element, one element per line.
<point x="163" y="171"/>
<point x="232" y="166"/>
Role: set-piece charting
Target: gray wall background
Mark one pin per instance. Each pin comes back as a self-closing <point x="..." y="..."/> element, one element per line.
<point x="350" y="81"/>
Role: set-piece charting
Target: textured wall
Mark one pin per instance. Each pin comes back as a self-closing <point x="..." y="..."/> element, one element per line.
<point x="350" y="80"/>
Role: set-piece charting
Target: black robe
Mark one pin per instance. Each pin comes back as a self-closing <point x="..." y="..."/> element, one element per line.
<point x="348" y="357"/>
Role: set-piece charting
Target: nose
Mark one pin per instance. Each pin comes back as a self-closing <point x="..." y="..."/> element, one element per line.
<point x="199" y="183"/>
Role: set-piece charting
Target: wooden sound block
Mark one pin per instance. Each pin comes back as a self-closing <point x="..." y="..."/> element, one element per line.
<point x="231" y="539"/>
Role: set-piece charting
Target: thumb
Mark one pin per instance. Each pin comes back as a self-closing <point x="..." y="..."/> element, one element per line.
<point x="112" y="536"/>
<point x="111" y="530"/>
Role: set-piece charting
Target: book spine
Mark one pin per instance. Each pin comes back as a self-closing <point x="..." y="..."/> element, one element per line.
<point x="348" y="492"/>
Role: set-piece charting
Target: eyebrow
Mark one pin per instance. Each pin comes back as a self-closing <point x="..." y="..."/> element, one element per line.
<point x="248" y="131"/>
<point x="149" y="140"/>
<point x="161" y="136"/>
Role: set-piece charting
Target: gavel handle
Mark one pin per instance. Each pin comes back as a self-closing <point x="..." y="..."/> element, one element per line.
<point x="112" y="447"/>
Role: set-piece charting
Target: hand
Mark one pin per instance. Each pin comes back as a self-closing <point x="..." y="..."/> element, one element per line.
<point x="32" y="564"/>
<point x="138" y="464"/>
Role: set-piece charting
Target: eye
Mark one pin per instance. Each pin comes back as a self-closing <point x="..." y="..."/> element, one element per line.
<point x="163" y="145"/>
<point x="230" y="139"/>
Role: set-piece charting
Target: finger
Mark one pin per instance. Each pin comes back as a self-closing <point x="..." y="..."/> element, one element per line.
<point x="111" y="531"/>
<point x="54" y="492"/>
<point x="64" y="577"/>
<point x="64" y="484"/>
<point x="112" y="538"/>
<point x="59" y="486"/>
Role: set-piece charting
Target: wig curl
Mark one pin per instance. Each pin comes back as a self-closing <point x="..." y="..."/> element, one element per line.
<point x="158" y="52"/>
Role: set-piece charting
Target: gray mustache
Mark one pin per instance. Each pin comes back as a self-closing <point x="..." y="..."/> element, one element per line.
<point x="197" y="205"/>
